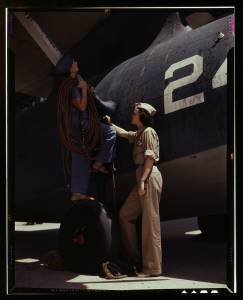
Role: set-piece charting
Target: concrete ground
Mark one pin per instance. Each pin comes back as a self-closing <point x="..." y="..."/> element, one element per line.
<point x="188" y="262"/>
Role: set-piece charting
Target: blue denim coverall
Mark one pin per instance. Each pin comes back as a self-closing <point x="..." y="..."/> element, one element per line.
<point x="80" y="168"/>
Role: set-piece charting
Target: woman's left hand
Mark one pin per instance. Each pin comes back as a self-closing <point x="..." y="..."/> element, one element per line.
<point x="141" y="188"/>
<point x="82" y="84"/>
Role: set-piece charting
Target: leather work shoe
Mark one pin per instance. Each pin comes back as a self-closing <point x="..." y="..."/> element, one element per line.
<point x="111" y="270"/>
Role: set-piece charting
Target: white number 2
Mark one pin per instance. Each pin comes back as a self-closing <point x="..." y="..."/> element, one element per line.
<point x="219" y="79"/>
<point x="169" y="105"/>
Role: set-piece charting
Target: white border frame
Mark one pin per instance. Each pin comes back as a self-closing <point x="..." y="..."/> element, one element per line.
<point x="6" y="140"/>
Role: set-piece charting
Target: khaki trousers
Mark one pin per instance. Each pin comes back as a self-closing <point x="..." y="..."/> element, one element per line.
<point x="148" y="206"/>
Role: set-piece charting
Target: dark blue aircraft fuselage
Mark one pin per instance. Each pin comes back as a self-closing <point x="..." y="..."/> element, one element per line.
<point x="188" y="129"/>
<point x="185" y="79"/>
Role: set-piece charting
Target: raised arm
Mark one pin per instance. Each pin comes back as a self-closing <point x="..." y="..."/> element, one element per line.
<point x="80" y="99"/>
<point x="120" y="131"/>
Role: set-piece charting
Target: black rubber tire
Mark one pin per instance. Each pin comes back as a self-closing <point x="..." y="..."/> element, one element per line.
<point x="99" y="233"/>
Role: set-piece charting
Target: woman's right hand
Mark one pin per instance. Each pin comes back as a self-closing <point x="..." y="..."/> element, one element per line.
<point x="108" y="119"/>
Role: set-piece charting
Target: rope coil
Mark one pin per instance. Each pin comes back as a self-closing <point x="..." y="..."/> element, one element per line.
<point x="84" y="142"/>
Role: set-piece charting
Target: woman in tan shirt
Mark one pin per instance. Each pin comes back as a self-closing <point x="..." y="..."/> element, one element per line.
<point x="145" y="196"/>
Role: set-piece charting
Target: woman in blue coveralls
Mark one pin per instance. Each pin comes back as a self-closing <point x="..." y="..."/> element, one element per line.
<point x="81" y="132"/>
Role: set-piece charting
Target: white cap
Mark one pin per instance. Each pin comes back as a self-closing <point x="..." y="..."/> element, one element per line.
<point x="149" y="108"/>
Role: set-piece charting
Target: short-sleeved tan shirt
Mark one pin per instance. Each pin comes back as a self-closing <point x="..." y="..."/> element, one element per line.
<point x="146" y="143"/>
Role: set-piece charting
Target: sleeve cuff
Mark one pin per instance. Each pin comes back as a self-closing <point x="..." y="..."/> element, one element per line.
<point x="151" y="154"/>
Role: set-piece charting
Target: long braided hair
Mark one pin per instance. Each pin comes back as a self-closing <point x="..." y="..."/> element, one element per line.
<point x="71" y="140"/>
